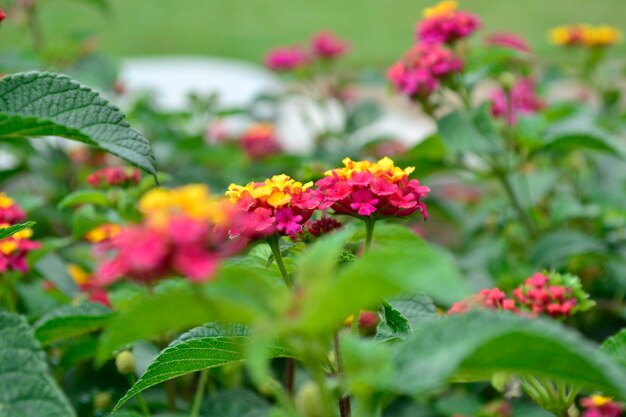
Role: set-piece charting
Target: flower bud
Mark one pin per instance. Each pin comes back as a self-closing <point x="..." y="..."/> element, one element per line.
<point x="102" y="400"/>
<point x="125" y="362"/>
<point x="507" y="81"/>
<point x="309" y="401"/>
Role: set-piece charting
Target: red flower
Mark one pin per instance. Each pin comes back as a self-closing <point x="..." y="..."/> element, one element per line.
<point x="326" y="45"/>
<point x="114" y="177"/>
<point x="444" y="24"/>
<point x="523" y="97"/>
<point x="507" y="40"/>
<point x="259" y="141"/>
<point x="13" y="250"/>
<point x="10" y="211"/>
<point x="287" y="58"/>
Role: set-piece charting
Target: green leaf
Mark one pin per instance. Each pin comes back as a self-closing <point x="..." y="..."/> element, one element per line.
<point x="397" y="324"/>
<point x="95" y="197"/>
<point x="555" y="248"/>
<point x="615" y="347"/>
<point x="580" y="134"/>
<point x="52" y="268"/>
<point x="469" y="132"/>
<point x="35" y="104"/>
<point x="477" y="345"/>
<point x="201" y="348"/>
<point x="236" y="403"/>
<point x="236" y="295"/>
<point x="27" y="387"/>
<point x="415" y="309"/>
<point x="71" y="321"/>
<point x="399" y="262"/>
<point x="11" y="230"/>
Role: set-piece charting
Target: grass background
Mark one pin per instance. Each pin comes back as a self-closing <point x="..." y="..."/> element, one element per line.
<point x="380" y="30"/>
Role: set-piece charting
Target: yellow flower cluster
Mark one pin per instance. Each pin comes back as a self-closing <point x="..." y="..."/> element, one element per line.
<point x="440" y="9"/>
<point x="384" y="167"/>
<point x="103" y="232"/>
<point x="585" y="35"/>
<point x="275" y="191"/>
<point x="5" y="201"/>
<point x="193" y="201"/>
<point x="600" y="400"/>
<point x="10" y="244"/>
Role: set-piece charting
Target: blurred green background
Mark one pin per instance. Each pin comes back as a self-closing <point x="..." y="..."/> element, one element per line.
<point x="380" y="30"/>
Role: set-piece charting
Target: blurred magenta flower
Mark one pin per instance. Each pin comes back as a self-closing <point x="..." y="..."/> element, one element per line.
<point x="422" y="69"/>
<point x="443" y="23"/>
<point x="600" y="406"/>
<point x="114" y="177"/>
<point x="259" y="141"/>
<point x="507" y="40"/>
<point x="10" y="211"/>
<point x="287" y="58"/>
<point x="523" y="100"/>
<point x="13" y="250"/>
<point x="326" y="45"/>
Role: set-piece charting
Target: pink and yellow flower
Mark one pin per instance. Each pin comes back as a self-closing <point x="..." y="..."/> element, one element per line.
<point x="13" y="250"/>
<point x="422" y="70"/>
<point x="184" y="232"/>
<point x="328" y="46"/>
<point x="523" y="100"/>
<point x="372" y="190"/>
<point x="114" y="177"/>
<point x="601" y="406"/>
<point x="103" y="232"/>
<point x="10" y="211"/>
<point x="287" y="58"/>
<point x="259" y="141"/>
<point x="85" y="282"/>
<point x="443" y="23"/>
<point x="585" y="35"/>
<point x="277" y="206"/>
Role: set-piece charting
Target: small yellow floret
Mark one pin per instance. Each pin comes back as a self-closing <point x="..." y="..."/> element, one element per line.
<point x="103" y="232"/>
<point x="5" y="201"/>
<point x="600" y="400"/>
<point x="78" y="274"/>
<point x="440" y="9"/>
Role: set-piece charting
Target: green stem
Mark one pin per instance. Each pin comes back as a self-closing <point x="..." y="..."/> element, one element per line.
<point x="517" y="205"/>
<point x="34" y="27"/>
<point x="8" y="291"/>
<point x="199" y="395"/>
<point x="369" y="233"/>
<point x="140" y="400"/>
<point x="274" y="243"/>
<point x="344" y="400"/>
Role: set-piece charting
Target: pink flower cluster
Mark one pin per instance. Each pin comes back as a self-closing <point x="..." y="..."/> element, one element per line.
<point x="324" y="45"/>
<point x="287" y="58"/>
<point x="3" y="15"/>
<point x="522" y="99"/>
<point x="507" y="40"/>
<point x="555" y="295"/>
<point x="490" y="298"/>
<point x="114" y="177"/>
<point x="259" y="141"/>
<point x="278" y="206"/>
<point x="144" y="253"/>
<point x="372" y="190"/>
<point x="539" y="297"/>
<point x="444" y="24"/>
<point x="10" y="211"/>
<point x="13" y="250"/>
<point x="600" y="406"/>
<point x="422" y="70"/>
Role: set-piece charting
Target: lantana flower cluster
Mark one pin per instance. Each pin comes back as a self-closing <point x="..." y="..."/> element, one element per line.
<point x="443" y="23"/>
<point x="324" y="46"/>
<point x="521" y="99"/>
<point x="601" y="406"/>
<point x="507" y="40"/>
<point x="87" y="285"/>
<point x="259" y="141"/>
<point x="585" y="35"/>
<point x="277" y="206"/>
<point x="429" y="64"/>
<point x="114" y="177"/>
<point x="371" y="190"/>
<point x="423" y="69"/>
<point x="185" y="231"/>
<point x="558" y="296"/>
<point x="13" y="250"/>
